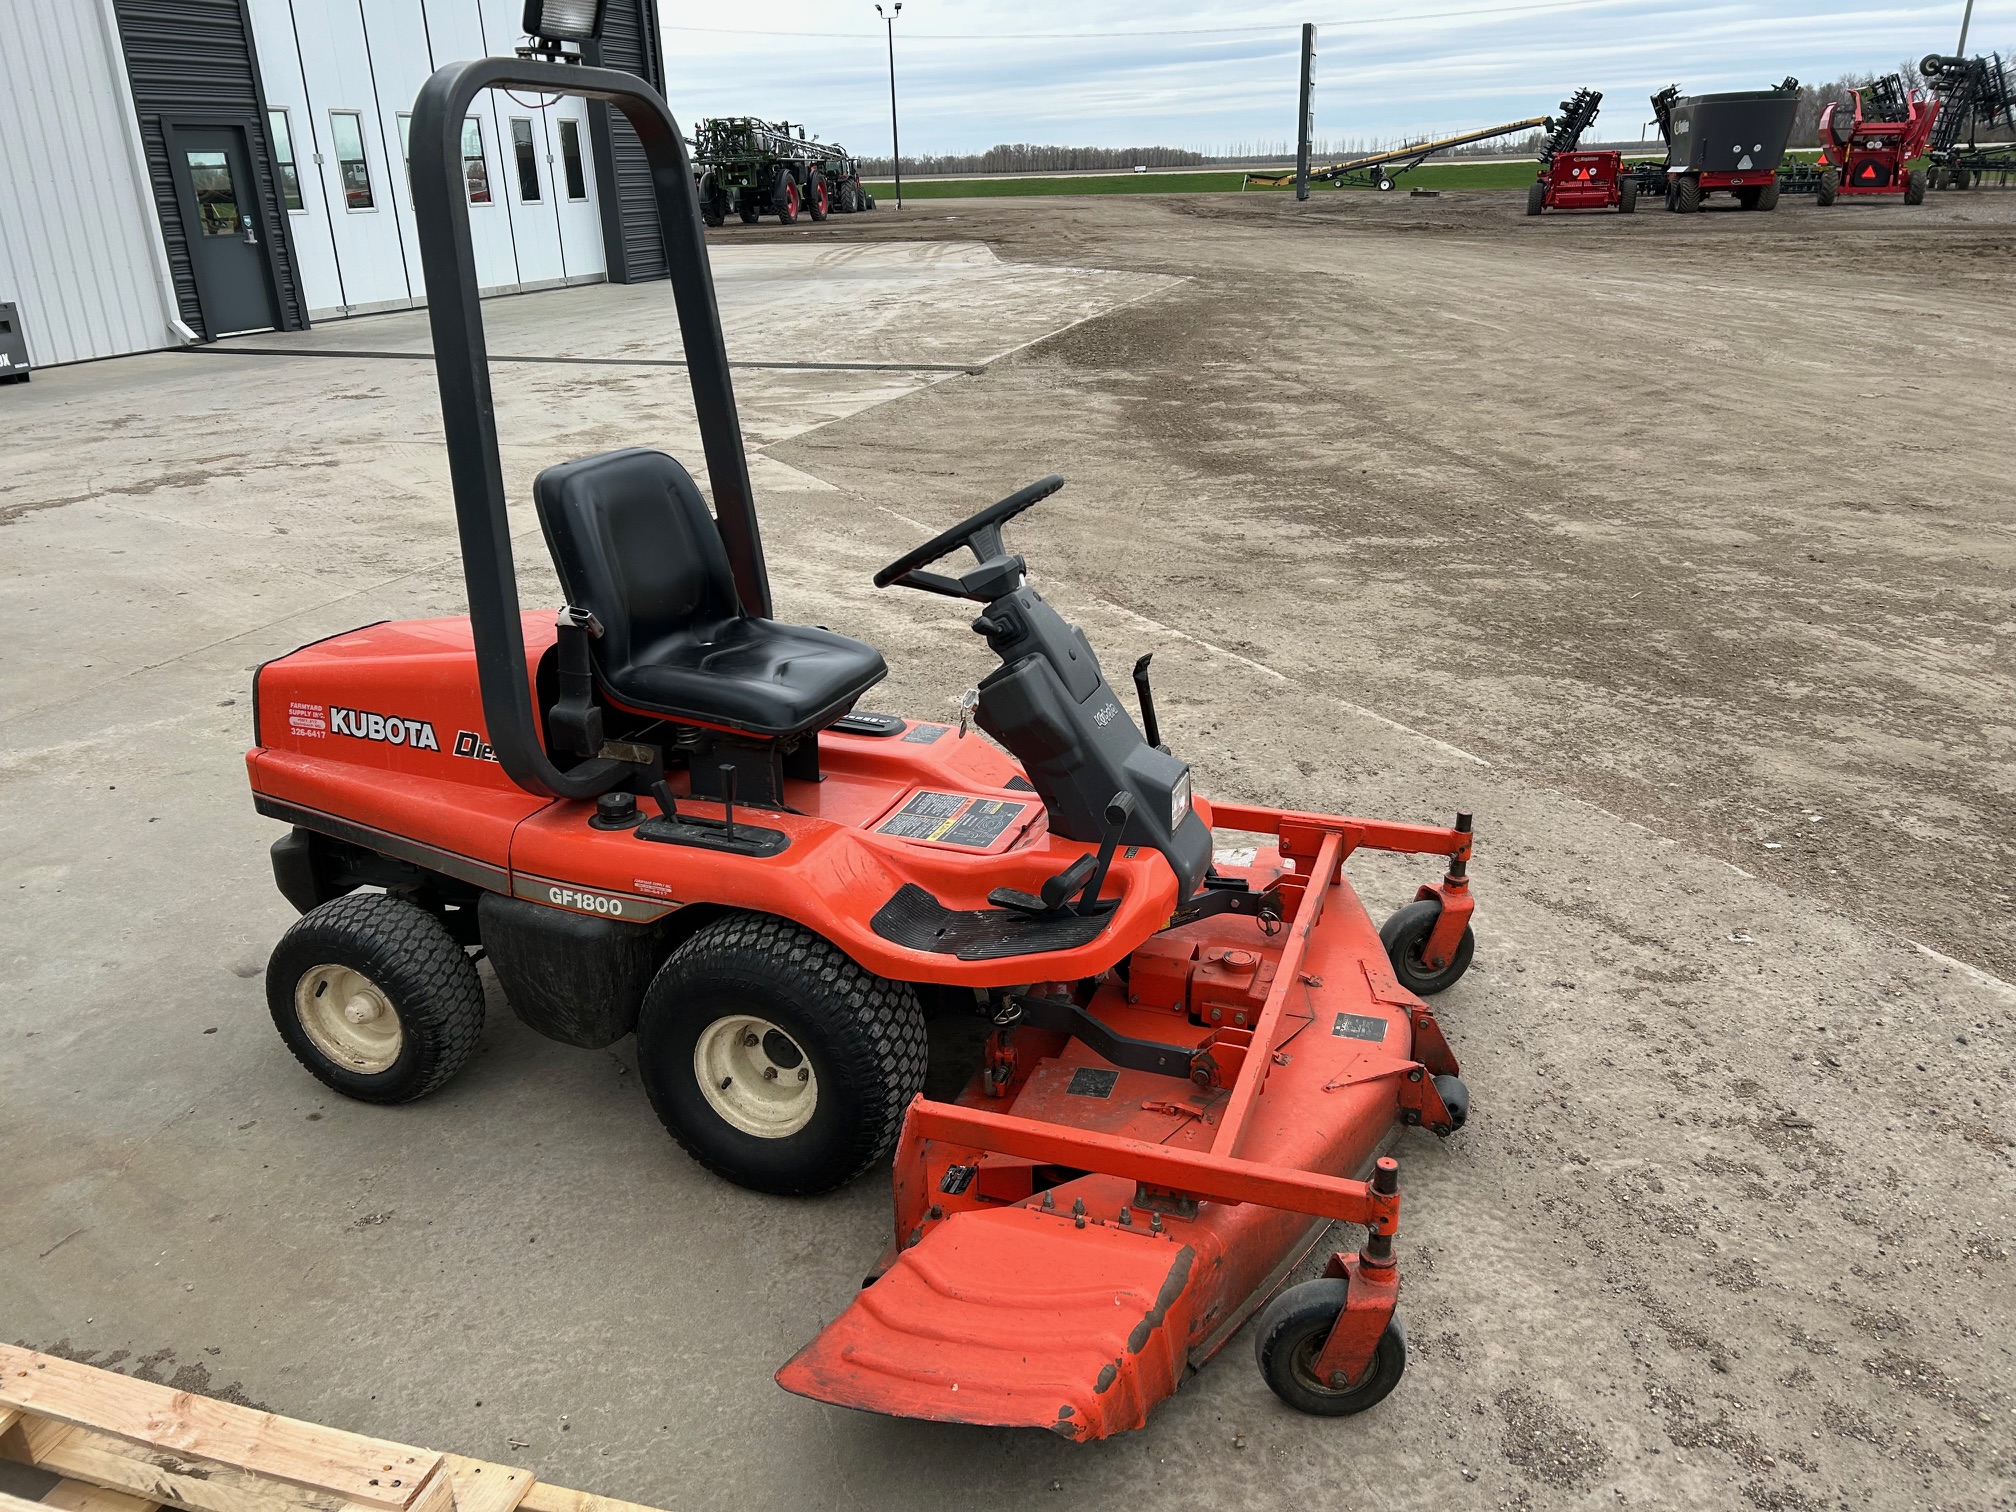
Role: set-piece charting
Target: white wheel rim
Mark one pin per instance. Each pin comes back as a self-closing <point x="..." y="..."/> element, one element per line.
<point x="348" y="1017"/>
<point x="755" y="1076"/>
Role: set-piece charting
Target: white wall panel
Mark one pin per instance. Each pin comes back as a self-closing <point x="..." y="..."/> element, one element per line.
<point x="79" y="250"/>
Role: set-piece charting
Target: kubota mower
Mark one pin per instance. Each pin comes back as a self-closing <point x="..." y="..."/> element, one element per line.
<point x="1572" y="180"/>
<point x="1868" y="148"/>
<point x="661" y="813"/>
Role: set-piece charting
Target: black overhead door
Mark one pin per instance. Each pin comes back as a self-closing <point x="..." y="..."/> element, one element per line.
<point x="195" y="75"/>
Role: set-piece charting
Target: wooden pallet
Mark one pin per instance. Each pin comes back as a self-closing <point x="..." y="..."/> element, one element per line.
<point x="123" y="1445"/>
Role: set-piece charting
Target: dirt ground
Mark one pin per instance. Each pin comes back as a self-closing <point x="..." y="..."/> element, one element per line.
<point x="1678" y="549"/>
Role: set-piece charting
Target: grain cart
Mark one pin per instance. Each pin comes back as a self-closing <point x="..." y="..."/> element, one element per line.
<point x="1973" y="93"/>
<point x="1722" y="144"/>
<point x="1572" y="180"/>
<point x="754" y="167"/>
<point x="1868" y="142"/>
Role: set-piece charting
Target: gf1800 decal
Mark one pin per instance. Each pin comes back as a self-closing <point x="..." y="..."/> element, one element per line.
<point x="389" y="728"/>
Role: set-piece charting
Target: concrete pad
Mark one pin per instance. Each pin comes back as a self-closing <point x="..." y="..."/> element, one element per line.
<point x="1731" y="1223"/>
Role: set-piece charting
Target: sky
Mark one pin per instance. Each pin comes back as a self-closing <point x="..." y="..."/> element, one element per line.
<point x="1209" y="74"/>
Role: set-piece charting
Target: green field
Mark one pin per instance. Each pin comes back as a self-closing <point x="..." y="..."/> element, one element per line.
<point x="1213" y="181"/>
<point x="1431" y="176"/>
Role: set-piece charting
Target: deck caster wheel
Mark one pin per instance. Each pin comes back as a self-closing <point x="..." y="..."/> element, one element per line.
<point x="375" y="998"/>
<point x="1407" y="932"/>
<point x="1456" y="1098"/>
<point x="776" y="1061"/>
<point x="1290" y="1336"/>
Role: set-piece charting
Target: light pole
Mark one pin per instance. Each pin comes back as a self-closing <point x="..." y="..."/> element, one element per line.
<point x="895" y="142"/>
<point x="1966" y="21"/>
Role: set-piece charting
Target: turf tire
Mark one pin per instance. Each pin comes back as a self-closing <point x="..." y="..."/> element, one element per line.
<point x="1914" y="187"/>
<point x="1830" y="188"/>
<point x="428" y="980"/>
<point x="1767" y="197"/>
<point x="1686" y="194"/>
<point x="1406" y="932"/>
<point x="1290" y="1334"/>
<point x="1627" y="195"/>
<point x="1536" y="197"/>
<point x="862" y="1034"/>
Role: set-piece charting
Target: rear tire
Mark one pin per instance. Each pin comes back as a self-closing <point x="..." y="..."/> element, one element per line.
<point x="1536" y="198"/>
<point x="1914" y="187"/>
<point x="1686" y="194"/>
<point x="375" y="998"/>
<point x="1767" y="197"/>
<point x="785" y="198"/>
<point x="817" y="199"/>
<point x="712" y="210"/>
<point x="1830" y="188"/>
<point x="1627" y="195"/>
<point x="1407" y="932"/>
<point x="763" y="999"/>
<point x="1290" y="1335"/>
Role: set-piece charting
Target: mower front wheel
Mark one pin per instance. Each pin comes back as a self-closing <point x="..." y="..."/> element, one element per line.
<point x="1290" y="1337"/>
<point x="776" y="1061"/>
<point x="1406" y="933"/>
<point x="375" y="998"/>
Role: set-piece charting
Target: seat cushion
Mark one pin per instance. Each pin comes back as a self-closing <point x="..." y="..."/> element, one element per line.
<point x="749" y="674"/>
<point x="634" y="544"/>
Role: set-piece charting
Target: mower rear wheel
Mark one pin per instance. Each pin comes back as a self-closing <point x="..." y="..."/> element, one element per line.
<point x="776" y="1061"/>
<point x="1407" y="932"/>
<point x="1536" y="197"/>
<point x="375" y="998"/>
<point x="1290" y="1337"/>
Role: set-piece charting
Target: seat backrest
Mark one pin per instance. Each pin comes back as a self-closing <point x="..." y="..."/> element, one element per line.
<point x="635" y="546"/>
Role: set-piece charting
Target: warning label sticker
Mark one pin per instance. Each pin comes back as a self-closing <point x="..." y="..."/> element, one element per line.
<point x="924" y="734"/>
<point x="953" y="819"/>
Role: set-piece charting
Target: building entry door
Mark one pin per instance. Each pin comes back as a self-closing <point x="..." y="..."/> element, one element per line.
<point x="224" y="227"/>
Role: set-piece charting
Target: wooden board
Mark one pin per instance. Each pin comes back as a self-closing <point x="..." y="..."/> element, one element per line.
<point x="81" y="1496"/>
<point x="371" y="1472"/>
<point x="123" y="1445"/>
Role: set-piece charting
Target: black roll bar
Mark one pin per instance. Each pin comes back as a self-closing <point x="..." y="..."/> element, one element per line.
<point x="461" y="363"/>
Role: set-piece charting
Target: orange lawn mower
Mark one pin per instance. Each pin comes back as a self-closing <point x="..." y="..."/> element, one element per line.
<point x="661" y="813"/>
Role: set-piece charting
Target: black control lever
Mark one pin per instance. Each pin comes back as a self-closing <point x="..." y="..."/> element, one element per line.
<point x="1151" y="729"/>
<point x="1118" y="811"/>
<point x="662" y="791"/>
<point x="1087" y="872"/>
<point x="728" y="798"/>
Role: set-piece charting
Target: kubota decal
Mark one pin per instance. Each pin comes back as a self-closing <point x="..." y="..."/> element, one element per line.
<point x="389" y="728"/>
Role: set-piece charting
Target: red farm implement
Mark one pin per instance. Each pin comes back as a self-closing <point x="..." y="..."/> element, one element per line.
<point x="1574" y="180"/>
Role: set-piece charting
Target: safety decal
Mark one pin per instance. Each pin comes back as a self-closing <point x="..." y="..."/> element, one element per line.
<point x="307" y="721"/>
<point x="953" y="819"/>
<point x="1090" y="1081"/>
<point x="924" y="734"/>
<point x="1359" y="1026"/>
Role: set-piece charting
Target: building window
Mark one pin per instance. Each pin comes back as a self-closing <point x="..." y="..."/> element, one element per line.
<point x="283" y="155"/>
<point x="216" y="196"/>
<point x="347" y="127"/>
<point x="570" y="155"/>
<point x="475" y="171"/>
<point x="528" y="162"/>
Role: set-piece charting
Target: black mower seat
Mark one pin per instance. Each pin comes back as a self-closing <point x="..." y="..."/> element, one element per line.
<point x="634" y="545"/>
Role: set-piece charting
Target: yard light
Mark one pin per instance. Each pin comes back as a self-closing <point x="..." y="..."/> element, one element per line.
<point x="564" y="20"/>
<point x="895" y="142"/>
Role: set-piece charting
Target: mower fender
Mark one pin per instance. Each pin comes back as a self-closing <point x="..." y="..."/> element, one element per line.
<point x="574" y="978"/>
<point x="1372" y="1292"/>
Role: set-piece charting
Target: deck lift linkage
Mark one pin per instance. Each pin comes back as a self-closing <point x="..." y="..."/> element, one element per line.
<point x="1571" y="179"/>
<point x="1975" y="95"/>
<point x="1380" y="170"/>
<point x="661" y="812"/>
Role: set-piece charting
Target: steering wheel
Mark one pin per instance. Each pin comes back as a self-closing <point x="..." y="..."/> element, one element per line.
<point x="981" y="533"/>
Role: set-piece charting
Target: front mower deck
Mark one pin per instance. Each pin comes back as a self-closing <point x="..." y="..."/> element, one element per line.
<point x="1072" y="1234"/>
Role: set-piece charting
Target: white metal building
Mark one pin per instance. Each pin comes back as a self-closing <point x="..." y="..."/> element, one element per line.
<point x="177" y="170"/>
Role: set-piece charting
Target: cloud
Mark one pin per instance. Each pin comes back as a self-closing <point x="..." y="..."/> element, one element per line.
<point x="1208" y="74"/>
